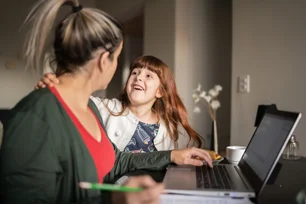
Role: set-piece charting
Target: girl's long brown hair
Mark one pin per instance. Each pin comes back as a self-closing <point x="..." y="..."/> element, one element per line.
<point x="170" y="106"/>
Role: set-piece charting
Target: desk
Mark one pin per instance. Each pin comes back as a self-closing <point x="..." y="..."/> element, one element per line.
<point x="289" y="181"/>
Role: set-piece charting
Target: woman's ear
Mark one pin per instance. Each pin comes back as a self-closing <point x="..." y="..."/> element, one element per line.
<point x="104" y="61"/>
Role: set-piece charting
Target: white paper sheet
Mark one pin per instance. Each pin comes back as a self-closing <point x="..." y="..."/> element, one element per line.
<point x="183" y="199"/>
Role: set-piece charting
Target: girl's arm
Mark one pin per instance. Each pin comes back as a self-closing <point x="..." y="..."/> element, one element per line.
<point x="127" y="162"/>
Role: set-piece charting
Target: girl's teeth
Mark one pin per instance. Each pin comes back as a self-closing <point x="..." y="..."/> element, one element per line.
<point x="137" y="88"/>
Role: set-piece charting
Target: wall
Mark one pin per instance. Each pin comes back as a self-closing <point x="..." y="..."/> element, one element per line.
<point x="15" y="82"/>
<point x="192" y="37"/>
<point x="122" y="10"/>
<point x="133" y="47"/>
<point x="268" y="44"/>
<point x="203" y="37"/>
<point x="130" y="15"/>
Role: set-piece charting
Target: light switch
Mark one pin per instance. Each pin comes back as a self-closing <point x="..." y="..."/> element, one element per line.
<point x="244" y="84"/>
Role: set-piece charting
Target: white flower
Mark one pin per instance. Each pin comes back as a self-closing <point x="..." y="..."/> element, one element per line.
<point x="212" y="103"/>
<point x="210" y="99"/>
<point x="215" y="104"/>
<point x="195" y="98"/>
<point x="218" y="88"/>
<point x="202" y="94"/>
<point x="213" y="93"/>
<point x="207" y="98"/>
<point x="197" y="110"/>
<point x="198" y="88"/>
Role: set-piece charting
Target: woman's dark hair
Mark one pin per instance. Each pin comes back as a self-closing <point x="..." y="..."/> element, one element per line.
<point x="77" y="36"/>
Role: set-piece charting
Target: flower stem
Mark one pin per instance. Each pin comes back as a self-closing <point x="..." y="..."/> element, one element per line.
<point x="211" y="113"/>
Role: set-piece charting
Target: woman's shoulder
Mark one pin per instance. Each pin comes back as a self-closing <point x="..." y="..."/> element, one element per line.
<point x="113" y="104"/>
<point x="39" y="105"/>
<point x="37" y="99"/>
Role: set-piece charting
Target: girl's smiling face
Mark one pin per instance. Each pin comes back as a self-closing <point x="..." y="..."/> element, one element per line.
<point x="143" y="87"/>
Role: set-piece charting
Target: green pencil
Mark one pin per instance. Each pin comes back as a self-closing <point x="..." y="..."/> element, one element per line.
<point x="108" y="187"/>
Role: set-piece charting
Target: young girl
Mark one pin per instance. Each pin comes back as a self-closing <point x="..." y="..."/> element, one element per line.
<point x="149" y="115"/>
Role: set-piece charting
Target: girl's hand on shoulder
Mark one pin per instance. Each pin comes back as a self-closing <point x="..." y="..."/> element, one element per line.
<point x="192" y="156"/>
<point x="49" y="79"/>
<point x="150" y="194"/>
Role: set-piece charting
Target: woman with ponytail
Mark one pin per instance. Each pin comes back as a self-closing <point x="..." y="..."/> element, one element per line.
<point x="54" y="138"/>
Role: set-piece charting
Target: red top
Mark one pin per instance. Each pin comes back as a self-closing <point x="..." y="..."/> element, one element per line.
<point x="102" y="152"/>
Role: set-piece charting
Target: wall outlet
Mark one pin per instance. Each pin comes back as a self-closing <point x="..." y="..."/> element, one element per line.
<point x="244" y="84"/>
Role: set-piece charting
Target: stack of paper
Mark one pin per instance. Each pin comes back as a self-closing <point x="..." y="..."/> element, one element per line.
<point x="190" y="199"/>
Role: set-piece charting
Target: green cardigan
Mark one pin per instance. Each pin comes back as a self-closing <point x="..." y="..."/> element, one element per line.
<point x="43" y="157"/>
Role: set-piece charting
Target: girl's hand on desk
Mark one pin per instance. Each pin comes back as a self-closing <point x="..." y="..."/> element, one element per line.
<point x="190" y="156"/>
<point x="49" y="79"/>
<point x="150" y="194"/>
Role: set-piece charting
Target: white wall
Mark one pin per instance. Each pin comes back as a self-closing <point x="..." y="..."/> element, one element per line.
<point x="15" y="82"/>
<point x="192" y="37"/>
<point x="269" y="44"/>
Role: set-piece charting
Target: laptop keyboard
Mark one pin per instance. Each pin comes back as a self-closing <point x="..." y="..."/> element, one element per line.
<point x="216" y="177"/>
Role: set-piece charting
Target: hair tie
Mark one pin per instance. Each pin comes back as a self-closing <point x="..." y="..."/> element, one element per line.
<point x="77" y="8"/>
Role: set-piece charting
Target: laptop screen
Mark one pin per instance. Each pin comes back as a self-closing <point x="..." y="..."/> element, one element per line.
<point x="266" y="146"/>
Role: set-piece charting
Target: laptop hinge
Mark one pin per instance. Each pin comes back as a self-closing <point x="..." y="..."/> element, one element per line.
<point x="243" y="178"/>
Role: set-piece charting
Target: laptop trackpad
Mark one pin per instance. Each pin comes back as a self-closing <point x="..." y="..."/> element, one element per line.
<point x="180" y="178"/>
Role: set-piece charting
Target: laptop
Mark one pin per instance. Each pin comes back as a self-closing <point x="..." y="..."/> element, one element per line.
<point x="246" y="179"/>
